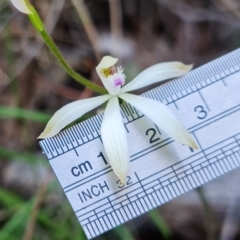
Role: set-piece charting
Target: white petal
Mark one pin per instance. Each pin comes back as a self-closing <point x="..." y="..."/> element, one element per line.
<point x="107" y="62"/>
<point x="160" y="114"/>
<point x="157" y="73"/>
<point x="70" y="113"/>
<point x="21" y="6"/>
<point x="114" y="139"/>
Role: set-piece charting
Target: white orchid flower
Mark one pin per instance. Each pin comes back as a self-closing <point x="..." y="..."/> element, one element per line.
<point x="22" y="6"/>
<point x="113" y="132"/>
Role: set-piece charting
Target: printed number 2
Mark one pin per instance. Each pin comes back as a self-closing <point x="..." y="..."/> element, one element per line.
<point x="200" y="109"/>
<point x="128" y="182"/>
<point x="152" y="132"/>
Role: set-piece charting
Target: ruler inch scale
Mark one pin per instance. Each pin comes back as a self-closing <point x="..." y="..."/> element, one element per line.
<point x="207" y="102"/>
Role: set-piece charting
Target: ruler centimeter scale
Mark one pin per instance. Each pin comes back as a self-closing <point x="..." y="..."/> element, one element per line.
<point x="206" y="101"/>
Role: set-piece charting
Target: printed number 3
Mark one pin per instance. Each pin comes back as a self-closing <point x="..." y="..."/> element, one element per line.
<point x="200" y="109"/>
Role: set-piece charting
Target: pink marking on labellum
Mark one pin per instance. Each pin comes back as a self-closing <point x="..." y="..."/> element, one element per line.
<point x="118" y="81"/>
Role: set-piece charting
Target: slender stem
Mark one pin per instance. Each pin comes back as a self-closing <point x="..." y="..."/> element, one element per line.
<point x="115" y="8"/>
<point x="209" y="221"/>
<point x="88" y="25"/>
<point x="66" y="67"/>
<point x="54" y="49"/>
<point x="29" y="231"/>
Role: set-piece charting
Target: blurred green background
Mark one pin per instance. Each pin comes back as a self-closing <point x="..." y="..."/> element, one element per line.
<point x="33" y="86"/>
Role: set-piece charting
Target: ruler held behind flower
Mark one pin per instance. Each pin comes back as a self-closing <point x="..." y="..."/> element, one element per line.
<point x="207" y="102"/>
<point x="113" y="131"/>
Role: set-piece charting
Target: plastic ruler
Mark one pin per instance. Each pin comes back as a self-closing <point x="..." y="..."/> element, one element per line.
<point x="206" y="101"/>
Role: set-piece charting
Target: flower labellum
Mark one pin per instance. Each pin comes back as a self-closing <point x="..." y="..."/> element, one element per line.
<point x="22" y="6"/>
<point x="113" y="132"/>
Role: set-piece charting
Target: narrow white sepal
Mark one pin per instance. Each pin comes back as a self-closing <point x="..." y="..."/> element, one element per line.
<point x="114" y="139"/>
<point x="160" y="114"/>
<point x="157" y="73"/>
<point x="21" y="6"/>
<point x="70" y="113"/>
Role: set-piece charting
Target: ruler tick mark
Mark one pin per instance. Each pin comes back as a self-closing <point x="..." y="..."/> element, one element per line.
<point x="224" y="83"/>
<point x="203" y="100"/>
<point x="175" y="104"/>
<point x="112" y="209"/>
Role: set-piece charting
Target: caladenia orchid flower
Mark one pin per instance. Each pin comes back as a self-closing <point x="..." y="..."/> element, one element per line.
<point x="113" y="132"/>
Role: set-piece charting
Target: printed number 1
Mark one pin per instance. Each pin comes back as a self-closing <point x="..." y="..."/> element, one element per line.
<point x="103" y="158"/>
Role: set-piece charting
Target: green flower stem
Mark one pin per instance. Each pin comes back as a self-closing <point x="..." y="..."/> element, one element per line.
<point x="48" y="40"/>
<point x="39" y="26"/>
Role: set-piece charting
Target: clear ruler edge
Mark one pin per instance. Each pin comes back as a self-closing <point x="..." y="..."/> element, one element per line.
<point x="167" y="93"/>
